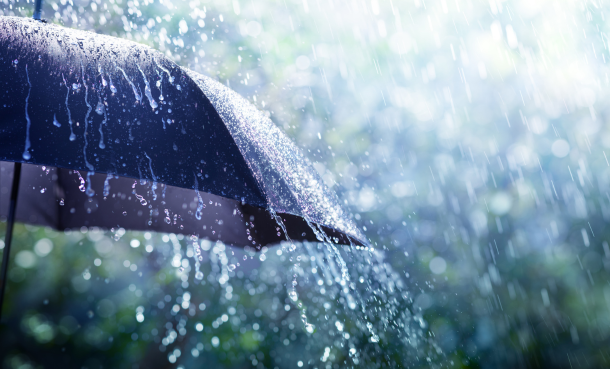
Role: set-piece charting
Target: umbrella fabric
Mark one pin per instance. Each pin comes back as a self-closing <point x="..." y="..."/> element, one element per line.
<point x="134" y="127"/>
<point x="54" y="197"/>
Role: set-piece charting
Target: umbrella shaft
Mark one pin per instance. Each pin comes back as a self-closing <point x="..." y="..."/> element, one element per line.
<point x="9" y="232"/>
<point x="37" y="9"/>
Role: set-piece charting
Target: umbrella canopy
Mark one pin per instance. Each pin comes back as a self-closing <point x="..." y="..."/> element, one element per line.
<point x="120" y="136"/>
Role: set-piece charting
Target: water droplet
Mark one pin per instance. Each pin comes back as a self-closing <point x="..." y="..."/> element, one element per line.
<point x="142" y="200"/>
<point x="310" y="328"/>
<point x="81" y="187"/>
<point x="99" y="108"/>
<point x="106" y="191"/>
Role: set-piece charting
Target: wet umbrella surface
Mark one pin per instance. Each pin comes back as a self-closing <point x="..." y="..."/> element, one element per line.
<point x="96" y="104"/>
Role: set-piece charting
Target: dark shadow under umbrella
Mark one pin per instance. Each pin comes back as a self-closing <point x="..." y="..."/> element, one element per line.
<point x="113" y="134"/>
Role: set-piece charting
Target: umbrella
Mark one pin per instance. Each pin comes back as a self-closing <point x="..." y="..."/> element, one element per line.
<point x="114" y="134"/>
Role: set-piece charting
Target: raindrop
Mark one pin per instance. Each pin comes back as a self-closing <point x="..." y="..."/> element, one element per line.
<point x="141" y="199"/>
<point x="99" y="108"/>
<point x="81" y="186"/>
<point x="106" y="190"/>
<point x="310" y="328"/>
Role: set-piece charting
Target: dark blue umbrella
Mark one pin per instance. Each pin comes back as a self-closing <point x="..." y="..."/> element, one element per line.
<point x="113" y="134"/>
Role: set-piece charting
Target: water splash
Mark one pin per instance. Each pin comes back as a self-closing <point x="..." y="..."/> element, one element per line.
<point x="106" y="191"/>
<point x="200" y="204"/>
<point x="154" y="184"/>
<point x="323" y="237"/>
<point x="55" y="122"/>
<point x="26" y="152"/>
<point x="72" y="135"/>
<point x="133" y="87"/>
<point x="141" y="199"/>
<point x="336" y="270"/>
<point x="100" y="107"/>
<point x="81" y="187"/>
<point x="160" y="85"/>
<point x="292" y="291"/>
<point x="148" y="91"/>
<point x="198" y="257"/>
<point x="90" y="192"/>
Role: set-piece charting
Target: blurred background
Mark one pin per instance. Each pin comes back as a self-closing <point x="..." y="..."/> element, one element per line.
<point x="467" y="138"/>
